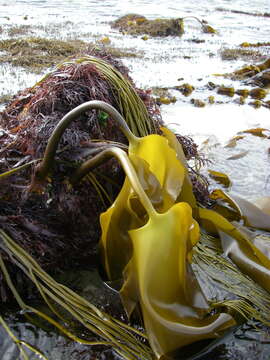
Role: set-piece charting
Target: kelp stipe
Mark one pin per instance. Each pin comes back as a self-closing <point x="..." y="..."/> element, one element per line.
<point x="47" y="162"/>
<point x="111" y="332"/>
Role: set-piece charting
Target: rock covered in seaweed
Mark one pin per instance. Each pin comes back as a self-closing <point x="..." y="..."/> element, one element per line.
<point x="59" y="224"/>
<point x="135" y="24"/>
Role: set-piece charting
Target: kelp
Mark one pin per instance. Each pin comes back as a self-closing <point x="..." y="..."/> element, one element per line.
<point x="158" y="275"/>
<point x="136" y="271"/>
<point x="245" y="54"/>
<point x="38" y="54"/>
<point x="53" y="221"/>
<point x="21" y="344"/>
<point x="239" y="247"/>
<point x="256" y="132"/>
<point x="154" y="247"/>
<point x="220" y="177"/>
<point x="247" y="71"/>
<point x="226" y="285"/>
<point x="112" y="332"/>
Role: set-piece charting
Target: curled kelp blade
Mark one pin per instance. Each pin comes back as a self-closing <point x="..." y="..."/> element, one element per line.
<point x="247" y="262"/>
<point x="252" y="215"/>
<point x="173" y="305"/>
<point x="162" y="175"/>
<point x="124" y="214"/>
<point x="239" y="247"/>
<point x="263" y="203"/>
<point x="225" y="205"/>
<point x="255" y="215"/>
<point x="186" y="193"/>
<point x="163" y="163"/>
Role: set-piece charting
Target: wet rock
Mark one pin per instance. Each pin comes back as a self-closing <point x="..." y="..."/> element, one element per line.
<point x="197" y="103"/>
<point x="242" y="92"/>
<point x="257" y="93"/>
<point x="135" y="24"/>
<point x="185" y="89"/>
<point x="256" y="104"/>
<point x="229" y="91"/>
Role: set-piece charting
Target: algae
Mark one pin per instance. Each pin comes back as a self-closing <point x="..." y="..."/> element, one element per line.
<point x="135" y="24"/>
<point x="247" y="71"/>
<point x="256" y="104"/>
<point x="258" y="44"/>
<point x="55" y="221"/>
<point x="37" y="54"/>
<point x="185" y="89"/>
<point x="257" y="93"/>
<point x="262" y="79"/>
<point x="211" y="99"/>
<point x="19" y="30"/>
<point x="235" y="54"/>
<point x="229" y="91"/>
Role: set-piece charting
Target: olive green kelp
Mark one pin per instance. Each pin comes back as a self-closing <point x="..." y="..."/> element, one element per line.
<point x="153" y="234"/>
<point x="158" y="276"/>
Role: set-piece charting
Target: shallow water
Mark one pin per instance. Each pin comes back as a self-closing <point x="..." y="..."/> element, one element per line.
<point x="165" y="60"/>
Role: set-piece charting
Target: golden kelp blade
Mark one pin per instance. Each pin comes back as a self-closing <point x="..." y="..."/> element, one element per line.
<point x="162" y="175"/>
<point x="186" y="193"/>
<point x="173" y="315"/>
<point x="163" y="163"/>
<point x="237" y="245"/>
<point x="220" y="177"/>
<point x="123" y="215"/>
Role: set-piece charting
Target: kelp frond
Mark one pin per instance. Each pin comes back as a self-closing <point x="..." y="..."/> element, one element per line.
<point x="242" y="294"/>
<point x="112" y="332"/>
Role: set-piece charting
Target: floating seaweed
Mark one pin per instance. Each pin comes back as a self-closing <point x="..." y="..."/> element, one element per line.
<point x="247" y="71"/>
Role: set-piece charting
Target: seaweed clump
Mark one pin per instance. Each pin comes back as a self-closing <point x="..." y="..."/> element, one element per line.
<point x="37" y="54"/>
<point x="56" y="224"/>
<point x="135" y="24"/>
<point x="235" y="54"/>
<point x="248" y="71"/>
